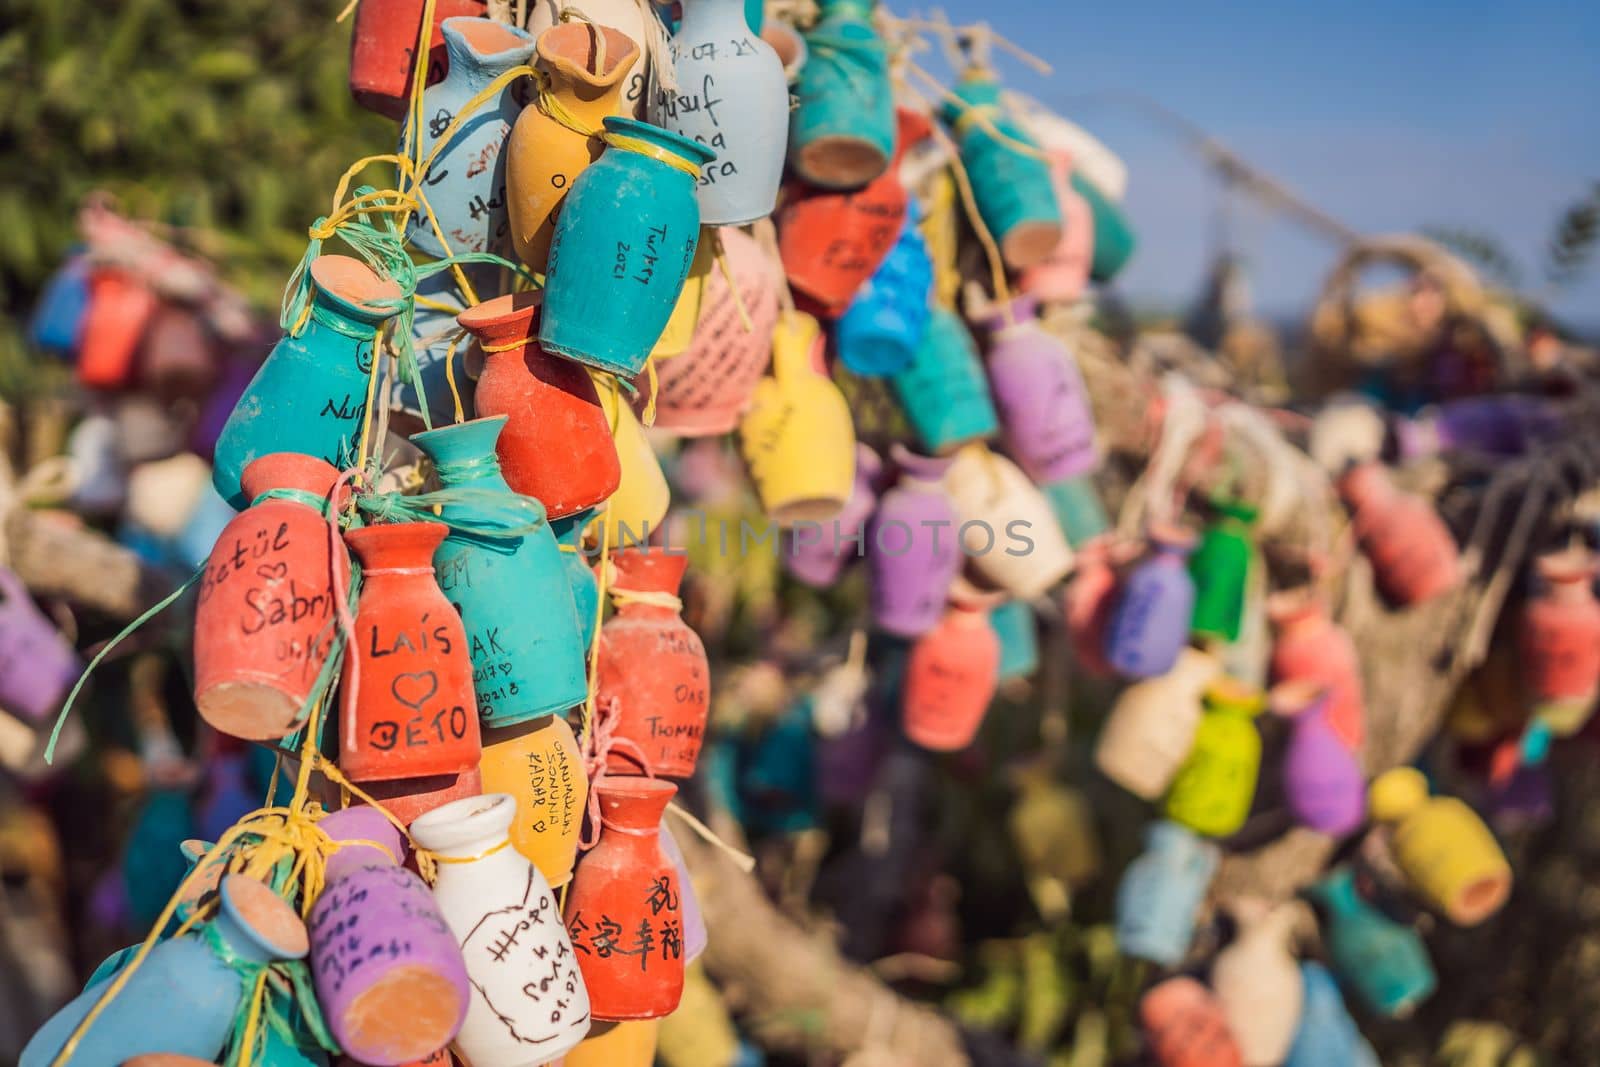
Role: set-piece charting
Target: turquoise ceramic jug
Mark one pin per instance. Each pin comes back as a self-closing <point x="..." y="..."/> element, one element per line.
<point x="732" y="97"/>
<point x="622" y="248"/>
<point x="585" y="588"/>
<point x="184" y="997"/>
<point x="841" y="135"/>
<point x="1383" y="962"/>
<point x="881" y="330"/>
<point x="465" y="186"/>
<point x="1019" y="639"/>
<point x="1078" y="509"/>
<point x="1327" y="1036"/>
<point x="310" y="396"/>
<point x="1161" y="891"/>
<point x="944" y="392"/>
<point x="1015" y="196"/>
<point x="513" y="594"/>
<point x="1114" y="240"/>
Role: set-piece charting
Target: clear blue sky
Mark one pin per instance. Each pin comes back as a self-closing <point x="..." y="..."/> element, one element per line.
<point x="1388" y="115"/>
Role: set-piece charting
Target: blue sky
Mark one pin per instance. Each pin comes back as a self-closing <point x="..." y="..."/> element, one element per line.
<point x="1388" y="115"/>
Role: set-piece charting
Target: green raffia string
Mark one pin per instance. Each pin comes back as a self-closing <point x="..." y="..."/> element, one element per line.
<point x="299" y="496"/>
<point x="499" y="515"/>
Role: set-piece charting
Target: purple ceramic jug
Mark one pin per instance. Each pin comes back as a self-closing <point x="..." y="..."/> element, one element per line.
<point x="1322" y="780"/>
<point x="388" y="972"/>
<point x="1151" y="623"/>
<point x="694" y="922"/>
<point x="912" y="550"/>
<point x="815" y="552"/>
<point x="36" y="663"/>
<point x="1045" y="416"/>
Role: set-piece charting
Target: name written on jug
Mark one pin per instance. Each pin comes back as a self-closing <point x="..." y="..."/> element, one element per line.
<point x="225" y="563"/>
<point x="554" y="792"/>
<point x="522" y="938"/>
<point x="347" y="947"/>
<point x="414" y="689"/>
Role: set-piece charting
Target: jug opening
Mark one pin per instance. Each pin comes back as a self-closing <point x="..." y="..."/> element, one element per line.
<point x="487" y="37"/>
<point x="1481" y="899"/>
<point x="578" y="45"/>
<point x="1029" y="243"/>
<point x="408" y="1013"/>
<point x="254" y="711"/>
<point x="353" y="282"/>
<point x="810" y="509"/>
<point x="841" y="161"/>
<point x="267" y="917"/>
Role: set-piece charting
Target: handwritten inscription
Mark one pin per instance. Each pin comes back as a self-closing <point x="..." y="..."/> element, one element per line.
<point x="532" y="983"/>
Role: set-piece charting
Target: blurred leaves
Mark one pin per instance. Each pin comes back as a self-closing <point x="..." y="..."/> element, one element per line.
<point x="1484" y="252"/>
<point x="1572" y="245"/>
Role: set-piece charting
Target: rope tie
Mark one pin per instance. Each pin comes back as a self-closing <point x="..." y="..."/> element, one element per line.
<point x="653" y="598"/>
<point x="300" y="496"/>
<point x="598" y="747"/>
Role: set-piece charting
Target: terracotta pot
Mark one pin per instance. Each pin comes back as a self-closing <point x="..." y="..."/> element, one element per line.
<point x="1559" y="636"/>
<point x="1311" y="647"/>
<point x="1412" y="553"/>
<point x="408" y="799"/>
<point x="633" y="19"/>
<point x="950" y="680"/>
<point x="1186" y="1027"/>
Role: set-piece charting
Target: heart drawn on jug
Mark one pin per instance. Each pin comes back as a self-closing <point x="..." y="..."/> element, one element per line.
<point x="414" y="690"/>
<point x="273" y="572"/>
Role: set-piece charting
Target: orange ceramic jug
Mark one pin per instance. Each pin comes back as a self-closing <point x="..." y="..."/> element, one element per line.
<point x="265" y="618"/>
<point x="1310" y="646"/>
<point x="624" y="912"/>
<point x="407" y="799"/>
<point x="653" y="666"/>
<point x="1413" y="555"/>
<point x="119" y="310"/>
<point x="539" y="765"/>
<point x="950" y="679"/>
<point x="1186" y="1027"/>
<point x="1559" y="637"/>
<point x="556" y="445"/>
<point x="408" y="708"/>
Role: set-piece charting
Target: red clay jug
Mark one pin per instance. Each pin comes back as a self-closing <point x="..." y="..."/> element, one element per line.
<point x="1088" y="602"/>
<point x="1560" y="640"/>
<point x="383" y="50"/>
<point x="409" y="798"/>
<point x="120" y="308"/>
<point x="265" y="617"/>
<point x="950" y="679"/>
<point x="1185" y="1026"/>
<point x="408" y="709"/>
<point x="625" y="913"/>
<point x="653" y="665"/>
<point x="1413" y="556"/>
<point x="557" y="445"/>
<point x="176" y="357"/>
<point x="831" y="242"/>
<point x="1311" y="647"/>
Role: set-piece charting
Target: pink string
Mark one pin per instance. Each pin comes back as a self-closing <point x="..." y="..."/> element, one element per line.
<point x="341" y="605"/>
<point x="598" y="747"/>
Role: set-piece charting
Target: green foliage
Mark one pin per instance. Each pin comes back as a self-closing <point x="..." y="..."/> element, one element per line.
<point x="231" y="118"/>
<point x="1572" y="246"/>
<point x="1479" y="249"/>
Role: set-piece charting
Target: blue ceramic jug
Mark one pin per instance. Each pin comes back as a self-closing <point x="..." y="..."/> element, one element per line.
<point x="1327" y="1036"/>
<point x="880" y="332"/>
<point x="1019" y="639"/>
<point x="1114" y="241"/>
<point x="512" y="593"/>
<point x="184" y="997"/>
<point x="193" y="544"/>
<point x="152" y="866"/>
<point x="1151" y="623"/>
<point x="580" y="576"/>
<point x="841" y="136"/>
<point x="57" y="320"/>
<point x="733" y="98"/>
<point x="465" y="186"/>
<point x="1161" y="891"/>
<point x="1078" y="509"/>
<point x="778" y="775"/>
<point x="1383" y="962"/>
<point x="1016" y="199"/>
<point x="944" y="392"/>
<point x="622" y="248"/>
<point x="310" y="396"/>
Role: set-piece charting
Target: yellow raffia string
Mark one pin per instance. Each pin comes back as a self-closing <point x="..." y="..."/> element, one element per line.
<point x="978" y="115"/>
<point x="721" y="256"/>
<point x="653" y="389"/>
<point x="742" y="860"/>
<point x="348" y="8"/>
<point x="654" y="598"/>
<point x="603" y="581"/>
<point x="485" y="854"/>
<point x="450" y="378"/>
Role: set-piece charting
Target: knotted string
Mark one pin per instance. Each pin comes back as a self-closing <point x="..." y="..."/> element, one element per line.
<point x="598" y="746"/>
<point x="491" y="513"/>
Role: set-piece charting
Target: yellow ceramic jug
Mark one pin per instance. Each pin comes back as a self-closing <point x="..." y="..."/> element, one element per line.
<point x="539" y="764"/>
<point x="631" y="1044"/>
<point x="636" y="509"/>
<point x="679" y="331"/>
<point x="1213" y="789"/>
<point x="582" y="67"/>
<point x="699" y="1033"/>
<point x="1444" y="849"/>
<point x="797" y="437"/>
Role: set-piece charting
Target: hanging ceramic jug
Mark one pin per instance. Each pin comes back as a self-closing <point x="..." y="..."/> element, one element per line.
<point x="1311" y="647"/>
<point x="1088" y="602"/>
<point x="912" y="554"/>
<point x="1043" y="403"/>
<point x="408" y="707"/>
<point x="529" y="1003"/>
<point x="797" y="437"/>
<point x="551" y="408"/>
<point x="1412" y="553"/>
<point x="629" y="1044"/>
<point x="407" y="799"/>
<point x="703" y="391"/>
<point x="950" y="680"/>
<point x="1322" y="780"/>
<point x="1214" y="788"/>
<point x="37" y="663"/>
<point x="816" y="553"/>
<point x="387" y="971"/>
<point x="831" y="242"/>
<point x="176" y="358"/>
<point x="1078" y="509"/>
<point x="539" y="765"/>
<point x="1161" y="891"/>
<point x="1012" y="186"/>
<point x="1449" y="857"/>
<point x="1007" y="531"/>
<point x="652" y="665"/>
<point x="1114" y="239"/>
<point x="1559" y="638"/>
<point x="1060" y="277"/>
<point x="583" y="66"/>
<point x="523" y="665"/>
<point x="580" y="577"/>
<point x="310" y="395"/>
<point x="881" y="331"/>
<point x="1013" y="622"/>
<point x="120" y="307"/>
<point x="1259" y="985"/>
<point x="185" y="996"/>
<point x="944" y="392"/>
<point x="625" y="911"/>
<point x="98" y="473"/>
<point x="680" y="327"/>
<point x="695" y="935"/>
<point x="465" y="184"/>
<point x="383" y="50"/>
<point x="56" y="324"/>
<point x="1384" y="962"/>
<point x="1327" y="1036"/>
<point x="842" y="132"/>
<point x="642" y="498"/>
<point x="622" y="248"/>
<point x="265" y="618"/>
<point x="635" y="19"/>
<point x="1220" y="567"/>
<point x="1186" y="1027"/>
<point x="1151" y="623"/>
<point x="733" y="97"/>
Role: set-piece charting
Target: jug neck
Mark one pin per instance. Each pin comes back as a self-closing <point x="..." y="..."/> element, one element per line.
<point x="464" y="454"/>
<point x="645" y="139"/>
<point x="481" y="49"/>
<point x="633" y="807"/>
<point x="586" y="64"/>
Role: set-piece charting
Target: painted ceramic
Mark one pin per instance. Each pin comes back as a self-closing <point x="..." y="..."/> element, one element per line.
<point x="1327" y="1036"/>
<point x="943" y="391"/>
<point x="1114" y="240"/>
<point x="1160" y="893"/>
<point x="1383" y="962"/>
<point x="950" y="680"/>
<point x="585" y="588"/>
<point x="1322" y="781"/>
<point x="37" y="663"/>
<point x="1009" y="535"/>
<point x="1259" y="985"/>
<point x="120" y="308"/>
<point x="881" y="331"/>
<point x="910" y="565"/>
<point x="1220" y="567"/>
<point x="1014" y="623"/>
<point x="842" y="132"/>
<point x="1185" y="1026"/>
<point x="1151" y="623"/>
<point x="1045" y="416"/>
<point x="1412" y="553"/>
<point x="56" y="324"/>
<point x="1078" y="509"/>
<point x="1449" y="857"/>
<point x="1013" y="188"/>
<point x="642" y="498"/>
<point x="383" y="47"/>
<point x="639" y="22"/>
<point x="1559" y="638"/>
<point x="1214" y="788"/>
<point x="1311" y="647"/>
<point x="816" y="553"/>
<point x="539" y="765"/>
<point x="1061" y="276"/>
